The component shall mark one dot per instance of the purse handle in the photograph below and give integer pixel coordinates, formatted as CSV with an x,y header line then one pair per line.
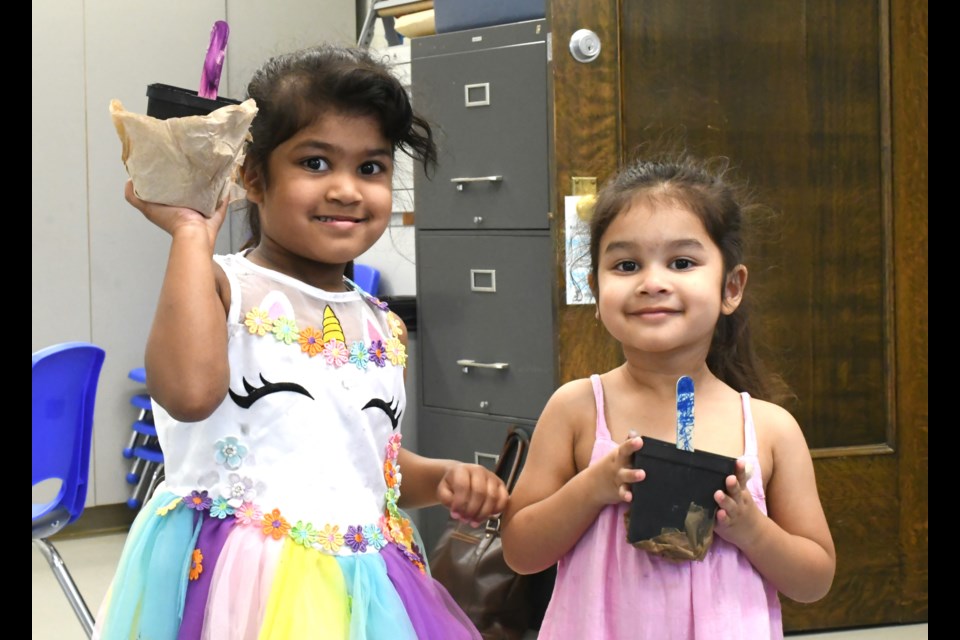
x,y
509,464
512,456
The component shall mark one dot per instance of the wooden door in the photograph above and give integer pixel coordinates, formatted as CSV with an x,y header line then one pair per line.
x,y
823,107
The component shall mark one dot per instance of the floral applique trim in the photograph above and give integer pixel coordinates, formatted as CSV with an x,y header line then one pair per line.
x,y
329,340
198,500
196,564
285,330
395,323
237,502
249,513
229,452
274,525
394,526
220,508
304,534
239,490
258,321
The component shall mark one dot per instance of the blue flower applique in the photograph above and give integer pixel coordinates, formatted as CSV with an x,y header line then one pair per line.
x,y
229,452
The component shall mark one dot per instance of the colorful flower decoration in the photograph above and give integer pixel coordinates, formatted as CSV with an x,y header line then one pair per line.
x,y
249,513
258,321
393,445
412,554
390,473
395,324
396,352
220,508
275,525
374,536
196,564
285,330
311,341
239,490
197,500
229,452
335,352
384,525
359,355
330,340
304,534
330,538
377,352
355,539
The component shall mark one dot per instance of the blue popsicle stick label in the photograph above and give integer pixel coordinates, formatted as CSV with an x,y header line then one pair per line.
x,y
685,413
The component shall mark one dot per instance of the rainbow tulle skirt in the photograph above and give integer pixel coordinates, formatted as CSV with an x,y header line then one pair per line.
x,y
185,574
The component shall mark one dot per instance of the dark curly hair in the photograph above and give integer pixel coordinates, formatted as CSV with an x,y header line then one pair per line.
x,y
294,89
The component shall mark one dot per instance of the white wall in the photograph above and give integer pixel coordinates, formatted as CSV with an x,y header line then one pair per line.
x,y
96,263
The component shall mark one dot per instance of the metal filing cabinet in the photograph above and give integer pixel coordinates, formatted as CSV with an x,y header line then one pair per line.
x,y
486,270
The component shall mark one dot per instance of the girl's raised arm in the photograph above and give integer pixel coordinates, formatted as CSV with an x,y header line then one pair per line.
x,y
186,355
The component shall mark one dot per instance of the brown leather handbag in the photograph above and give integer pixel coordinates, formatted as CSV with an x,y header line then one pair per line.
x,y
468,561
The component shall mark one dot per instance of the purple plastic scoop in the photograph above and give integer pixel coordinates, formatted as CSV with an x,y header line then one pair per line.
x,y
213,63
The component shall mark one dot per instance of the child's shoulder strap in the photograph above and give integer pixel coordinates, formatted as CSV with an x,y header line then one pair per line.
x,y
602,431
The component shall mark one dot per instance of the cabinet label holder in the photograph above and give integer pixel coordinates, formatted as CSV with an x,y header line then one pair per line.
x,y
483,89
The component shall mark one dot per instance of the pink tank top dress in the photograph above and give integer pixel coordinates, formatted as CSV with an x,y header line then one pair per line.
x,y
608,590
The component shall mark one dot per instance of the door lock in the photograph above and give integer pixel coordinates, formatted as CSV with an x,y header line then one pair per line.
x,y
584,45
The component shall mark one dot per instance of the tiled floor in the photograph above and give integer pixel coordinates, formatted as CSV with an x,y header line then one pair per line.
x,y
91,562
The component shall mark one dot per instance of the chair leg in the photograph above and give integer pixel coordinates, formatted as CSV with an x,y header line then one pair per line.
x,y
158,475
67,584
137,496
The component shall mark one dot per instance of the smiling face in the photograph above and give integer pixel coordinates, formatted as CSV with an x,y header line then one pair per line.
x,y
661,280
326,198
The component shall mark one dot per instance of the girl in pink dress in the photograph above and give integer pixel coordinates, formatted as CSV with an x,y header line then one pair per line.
x,y
668,275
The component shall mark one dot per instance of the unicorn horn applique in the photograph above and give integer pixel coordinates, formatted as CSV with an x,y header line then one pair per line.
x,y
331,326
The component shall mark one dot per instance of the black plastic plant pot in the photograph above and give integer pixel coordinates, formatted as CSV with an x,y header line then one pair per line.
x,y
164,101
675,480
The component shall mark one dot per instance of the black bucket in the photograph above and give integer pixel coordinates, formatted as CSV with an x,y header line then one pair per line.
x,y
164,101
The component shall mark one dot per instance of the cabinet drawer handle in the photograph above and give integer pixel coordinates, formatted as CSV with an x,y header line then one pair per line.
x,y
466,364
461,181
480,179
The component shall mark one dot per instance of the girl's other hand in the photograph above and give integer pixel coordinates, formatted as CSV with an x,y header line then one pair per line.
x,y
738,513
472,493
171,218
615,474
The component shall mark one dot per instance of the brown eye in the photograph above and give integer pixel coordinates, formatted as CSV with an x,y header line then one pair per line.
x,y
371,168
316,164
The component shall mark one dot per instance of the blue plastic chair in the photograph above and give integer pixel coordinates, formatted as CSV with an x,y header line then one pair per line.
x,y
65,378
367,278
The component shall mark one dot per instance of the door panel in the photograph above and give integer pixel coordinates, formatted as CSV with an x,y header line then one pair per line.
x,y
802,99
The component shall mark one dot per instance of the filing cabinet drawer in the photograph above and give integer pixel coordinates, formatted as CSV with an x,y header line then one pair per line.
x,y
485,322
489,108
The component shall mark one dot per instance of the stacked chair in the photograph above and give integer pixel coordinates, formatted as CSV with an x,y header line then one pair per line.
x,y
146,470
